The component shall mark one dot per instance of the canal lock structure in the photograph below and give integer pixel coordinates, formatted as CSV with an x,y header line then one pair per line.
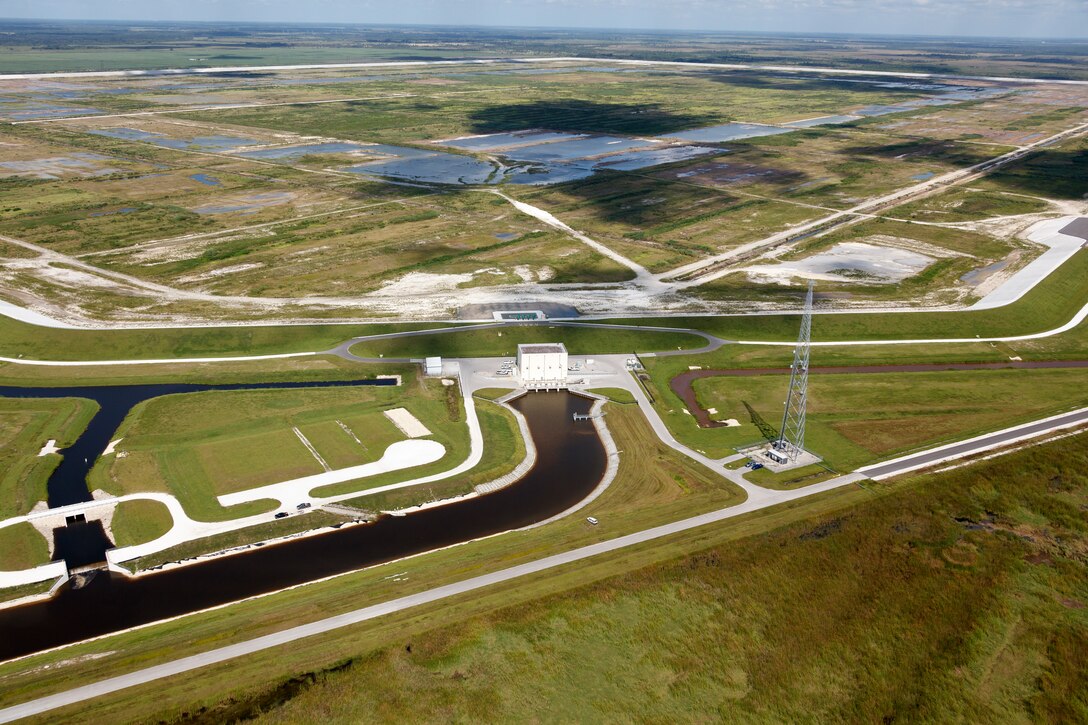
x,y
571,461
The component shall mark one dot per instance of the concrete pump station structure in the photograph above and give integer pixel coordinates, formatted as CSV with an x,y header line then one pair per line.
x,y
542,366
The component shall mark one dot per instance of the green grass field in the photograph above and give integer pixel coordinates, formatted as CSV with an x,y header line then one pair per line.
x,y
22,547
26,425
497,342
856,419
33,60
1048,305
137,522
201,445
46,343
616,395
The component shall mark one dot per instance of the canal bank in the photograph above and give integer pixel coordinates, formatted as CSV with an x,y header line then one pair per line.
x,y
571,461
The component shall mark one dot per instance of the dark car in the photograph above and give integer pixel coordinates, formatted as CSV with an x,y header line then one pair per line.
x,y
303,506
281,515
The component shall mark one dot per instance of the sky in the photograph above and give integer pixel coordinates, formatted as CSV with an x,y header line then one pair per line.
x,y
1011,18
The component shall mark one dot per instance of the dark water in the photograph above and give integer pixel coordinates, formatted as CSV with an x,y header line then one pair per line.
x,y
570,463
81,543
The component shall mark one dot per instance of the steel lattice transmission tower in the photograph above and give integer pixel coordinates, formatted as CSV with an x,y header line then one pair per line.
x,y
791,440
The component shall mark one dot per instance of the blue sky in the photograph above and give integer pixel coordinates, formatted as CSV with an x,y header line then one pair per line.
x,y
1017,18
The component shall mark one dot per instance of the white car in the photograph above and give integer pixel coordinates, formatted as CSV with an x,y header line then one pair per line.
x,y
591,520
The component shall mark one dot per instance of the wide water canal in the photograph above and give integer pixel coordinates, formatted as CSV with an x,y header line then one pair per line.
x,y
81,543
570,463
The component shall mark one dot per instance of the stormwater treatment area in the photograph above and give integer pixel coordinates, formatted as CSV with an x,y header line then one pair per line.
x,y
570,463
81,543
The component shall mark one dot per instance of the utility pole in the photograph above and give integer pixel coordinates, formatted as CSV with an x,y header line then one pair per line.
x,y
791,439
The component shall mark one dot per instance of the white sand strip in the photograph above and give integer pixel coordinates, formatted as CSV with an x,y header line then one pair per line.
x,y
350,432
50,447
310,447
408,424
400,455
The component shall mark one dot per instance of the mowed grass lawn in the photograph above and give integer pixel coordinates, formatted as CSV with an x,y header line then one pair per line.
x,y
493,342
962,597
855,419
140,521
202,445
22,547
1050,304
26,425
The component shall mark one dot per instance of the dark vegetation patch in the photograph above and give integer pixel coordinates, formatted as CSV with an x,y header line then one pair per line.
x,y
586,117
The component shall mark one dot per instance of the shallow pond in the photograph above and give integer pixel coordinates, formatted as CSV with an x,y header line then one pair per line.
x,y
727,132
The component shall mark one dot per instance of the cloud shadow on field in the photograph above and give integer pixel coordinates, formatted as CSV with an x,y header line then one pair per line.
x,y
586,117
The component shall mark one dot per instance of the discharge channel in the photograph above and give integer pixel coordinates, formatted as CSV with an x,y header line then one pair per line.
x,y
570,462
81,543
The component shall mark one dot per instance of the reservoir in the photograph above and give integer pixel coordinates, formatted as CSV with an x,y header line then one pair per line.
x,y
570,463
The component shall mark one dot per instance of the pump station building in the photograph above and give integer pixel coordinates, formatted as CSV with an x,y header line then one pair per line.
x,y
543,366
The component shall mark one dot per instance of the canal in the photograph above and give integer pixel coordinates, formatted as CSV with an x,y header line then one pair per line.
x,y
81,543
570,463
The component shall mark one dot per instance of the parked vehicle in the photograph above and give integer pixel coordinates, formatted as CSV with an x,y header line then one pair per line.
x,y
591,520
281,515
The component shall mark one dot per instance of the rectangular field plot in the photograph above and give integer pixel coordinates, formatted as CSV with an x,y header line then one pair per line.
x,y
255,460
335,441
726,132
854,419
200,446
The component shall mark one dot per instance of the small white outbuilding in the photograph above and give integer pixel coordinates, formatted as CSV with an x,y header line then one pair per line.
x,y
543,365
432,366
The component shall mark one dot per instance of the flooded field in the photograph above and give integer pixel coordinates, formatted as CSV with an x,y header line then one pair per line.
x,y
822,121
633,160
576,148
197,143
295,152
77,164
551,157
206,180
494,141
727,132
14,109
438,168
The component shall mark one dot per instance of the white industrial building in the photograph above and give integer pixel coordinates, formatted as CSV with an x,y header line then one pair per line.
x,y
432,366
543,365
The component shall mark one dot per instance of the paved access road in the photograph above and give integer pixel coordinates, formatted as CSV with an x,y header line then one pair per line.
x,y
952,451
222,654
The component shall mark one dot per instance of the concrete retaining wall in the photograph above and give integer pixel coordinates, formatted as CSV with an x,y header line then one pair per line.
x,y
522,468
